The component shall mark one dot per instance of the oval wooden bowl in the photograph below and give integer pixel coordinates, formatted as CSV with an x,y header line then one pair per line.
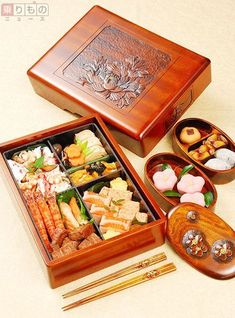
x,y
206,129
177,163
202,239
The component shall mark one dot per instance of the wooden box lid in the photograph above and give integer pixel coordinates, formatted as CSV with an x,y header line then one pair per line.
x,y
202,239
132,77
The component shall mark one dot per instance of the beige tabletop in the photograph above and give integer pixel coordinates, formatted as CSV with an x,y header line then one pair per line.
x,y
206,27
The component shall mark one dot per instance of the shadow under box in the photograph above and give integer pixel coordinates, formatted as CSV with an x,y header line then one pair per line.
x,y
105,252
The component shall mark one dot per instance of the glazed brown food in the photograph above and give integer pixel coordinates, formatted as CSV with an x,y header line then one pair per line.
x,y
190,135
208,147
82,232
59,236
205,152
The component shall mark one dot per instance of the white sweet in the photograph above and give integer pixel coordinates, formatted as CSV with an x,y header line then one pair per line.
x,y
226,155
218,164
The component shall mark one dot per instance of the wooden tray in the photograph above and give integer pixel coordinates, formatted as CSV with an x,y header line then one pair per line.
x,y
202,239
177,163
91,259
139,82
207,129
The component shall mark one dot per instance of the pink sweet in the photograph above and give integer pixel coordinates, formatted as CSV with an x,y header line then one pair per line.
x,y
164,180
190,184
197,198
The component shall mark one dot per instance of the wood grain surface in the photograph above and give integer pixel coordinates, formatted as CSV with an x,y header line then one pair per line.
x,y
206,27
139,82
202,239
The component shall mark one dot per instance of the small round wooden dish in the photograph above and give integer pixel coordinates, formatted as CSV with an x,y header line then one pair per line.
x,y
196,155
177,163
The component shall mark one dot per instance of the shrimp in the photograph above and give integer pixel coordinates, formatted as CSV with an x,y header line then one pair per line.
x,y
36,215
55,212
45,212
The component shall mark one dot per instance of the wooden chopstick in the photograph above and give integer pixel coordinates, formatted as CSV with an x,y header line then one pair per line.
x,y
123,285
123,272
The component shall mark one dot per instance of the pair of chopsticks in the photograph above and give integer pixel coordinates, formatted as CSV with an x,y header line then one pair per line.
x,y
125,284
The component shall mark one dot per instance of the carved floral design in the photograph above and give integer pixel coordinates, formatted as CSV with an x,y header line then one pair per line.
x,y
118,81
195,244
116,66
192,216
222,251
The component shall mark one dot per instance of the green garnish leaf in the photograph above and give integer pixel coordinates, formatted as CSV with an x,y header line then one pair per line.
x,y
118,202
39,162
82,209
92,221
98,186
67,196
172,193
84,147
208,196
185,170
78,141
88,152
31,169
165,166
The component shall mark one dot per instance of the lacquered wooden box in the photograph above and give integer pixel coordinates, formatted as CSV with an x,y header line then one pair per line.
x,y
139,82
107,252
207,130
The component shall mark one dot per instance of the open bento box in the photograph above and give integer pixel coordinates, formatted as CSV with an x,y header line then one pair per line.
x,y
84,203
